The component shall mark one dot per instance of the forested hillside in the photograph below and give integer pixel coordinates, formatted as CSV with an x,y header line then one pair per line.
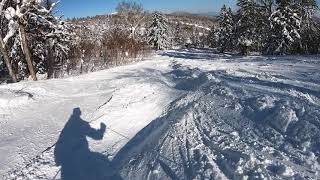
x,y
35,43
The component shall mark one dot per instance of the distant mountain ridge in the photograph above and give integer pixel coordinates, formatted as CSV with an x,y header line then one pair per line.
x,y
212,14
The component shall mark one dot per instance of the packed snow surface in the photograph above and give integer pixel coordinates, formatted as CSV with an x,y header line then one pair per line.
x,y
184,114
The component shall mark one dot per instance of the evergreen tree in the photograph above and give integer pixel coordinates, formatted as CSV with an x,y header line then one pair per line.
x,y
213,37
225,33
266,6
270,26
310,29
159,32
35,36
248,26
265,9
285,27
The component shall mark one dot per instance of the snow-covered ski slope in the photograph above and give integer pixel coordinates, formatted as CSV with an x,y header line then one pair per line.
x,y
184,114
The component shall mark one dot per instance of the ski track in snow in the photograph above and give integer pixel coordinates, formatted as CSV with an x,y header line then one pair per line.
x,y
183,114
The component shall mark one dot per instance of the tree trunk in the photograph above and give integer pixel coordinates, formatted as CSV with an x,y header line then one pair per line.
x,y
6,58
27,52
50,63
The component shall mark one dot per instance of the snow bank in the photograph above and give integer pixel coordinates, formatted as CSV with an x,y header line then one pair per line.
x,y
14,99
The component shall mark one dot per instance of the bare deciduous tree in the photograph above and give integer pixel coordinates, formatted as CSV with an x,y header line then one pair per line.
x,y
133,15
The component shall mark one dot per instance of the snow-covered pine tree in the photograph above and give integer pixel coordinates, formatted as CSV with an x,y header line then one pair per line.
x,y
51,37
310,29
159,32
213,37
248,27
267,6
285,28
265,9
35,35
226,29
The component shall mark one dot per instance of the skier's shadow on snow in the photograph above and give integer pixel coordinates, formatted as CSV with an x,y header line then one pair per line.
x,y
72,152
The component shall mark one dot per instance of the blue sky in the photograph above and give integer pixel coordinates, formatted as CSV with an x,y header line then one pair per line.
x,y
82,8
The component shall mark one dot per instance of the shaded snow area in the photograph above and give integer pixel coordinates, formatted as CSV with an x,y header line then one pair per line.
x,y
185,114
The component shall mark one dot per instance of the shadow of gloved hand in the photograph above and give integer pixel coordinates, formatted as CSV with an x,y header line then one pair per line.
x,y
103,127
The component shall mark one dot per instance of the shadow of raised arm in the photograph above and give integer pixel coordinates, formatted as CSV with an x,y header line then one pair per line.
x,y
96,134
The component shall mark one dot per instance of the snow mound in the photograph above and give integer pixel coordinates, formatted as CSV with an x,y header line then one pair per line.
x,y
282,117
272,111
14,98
